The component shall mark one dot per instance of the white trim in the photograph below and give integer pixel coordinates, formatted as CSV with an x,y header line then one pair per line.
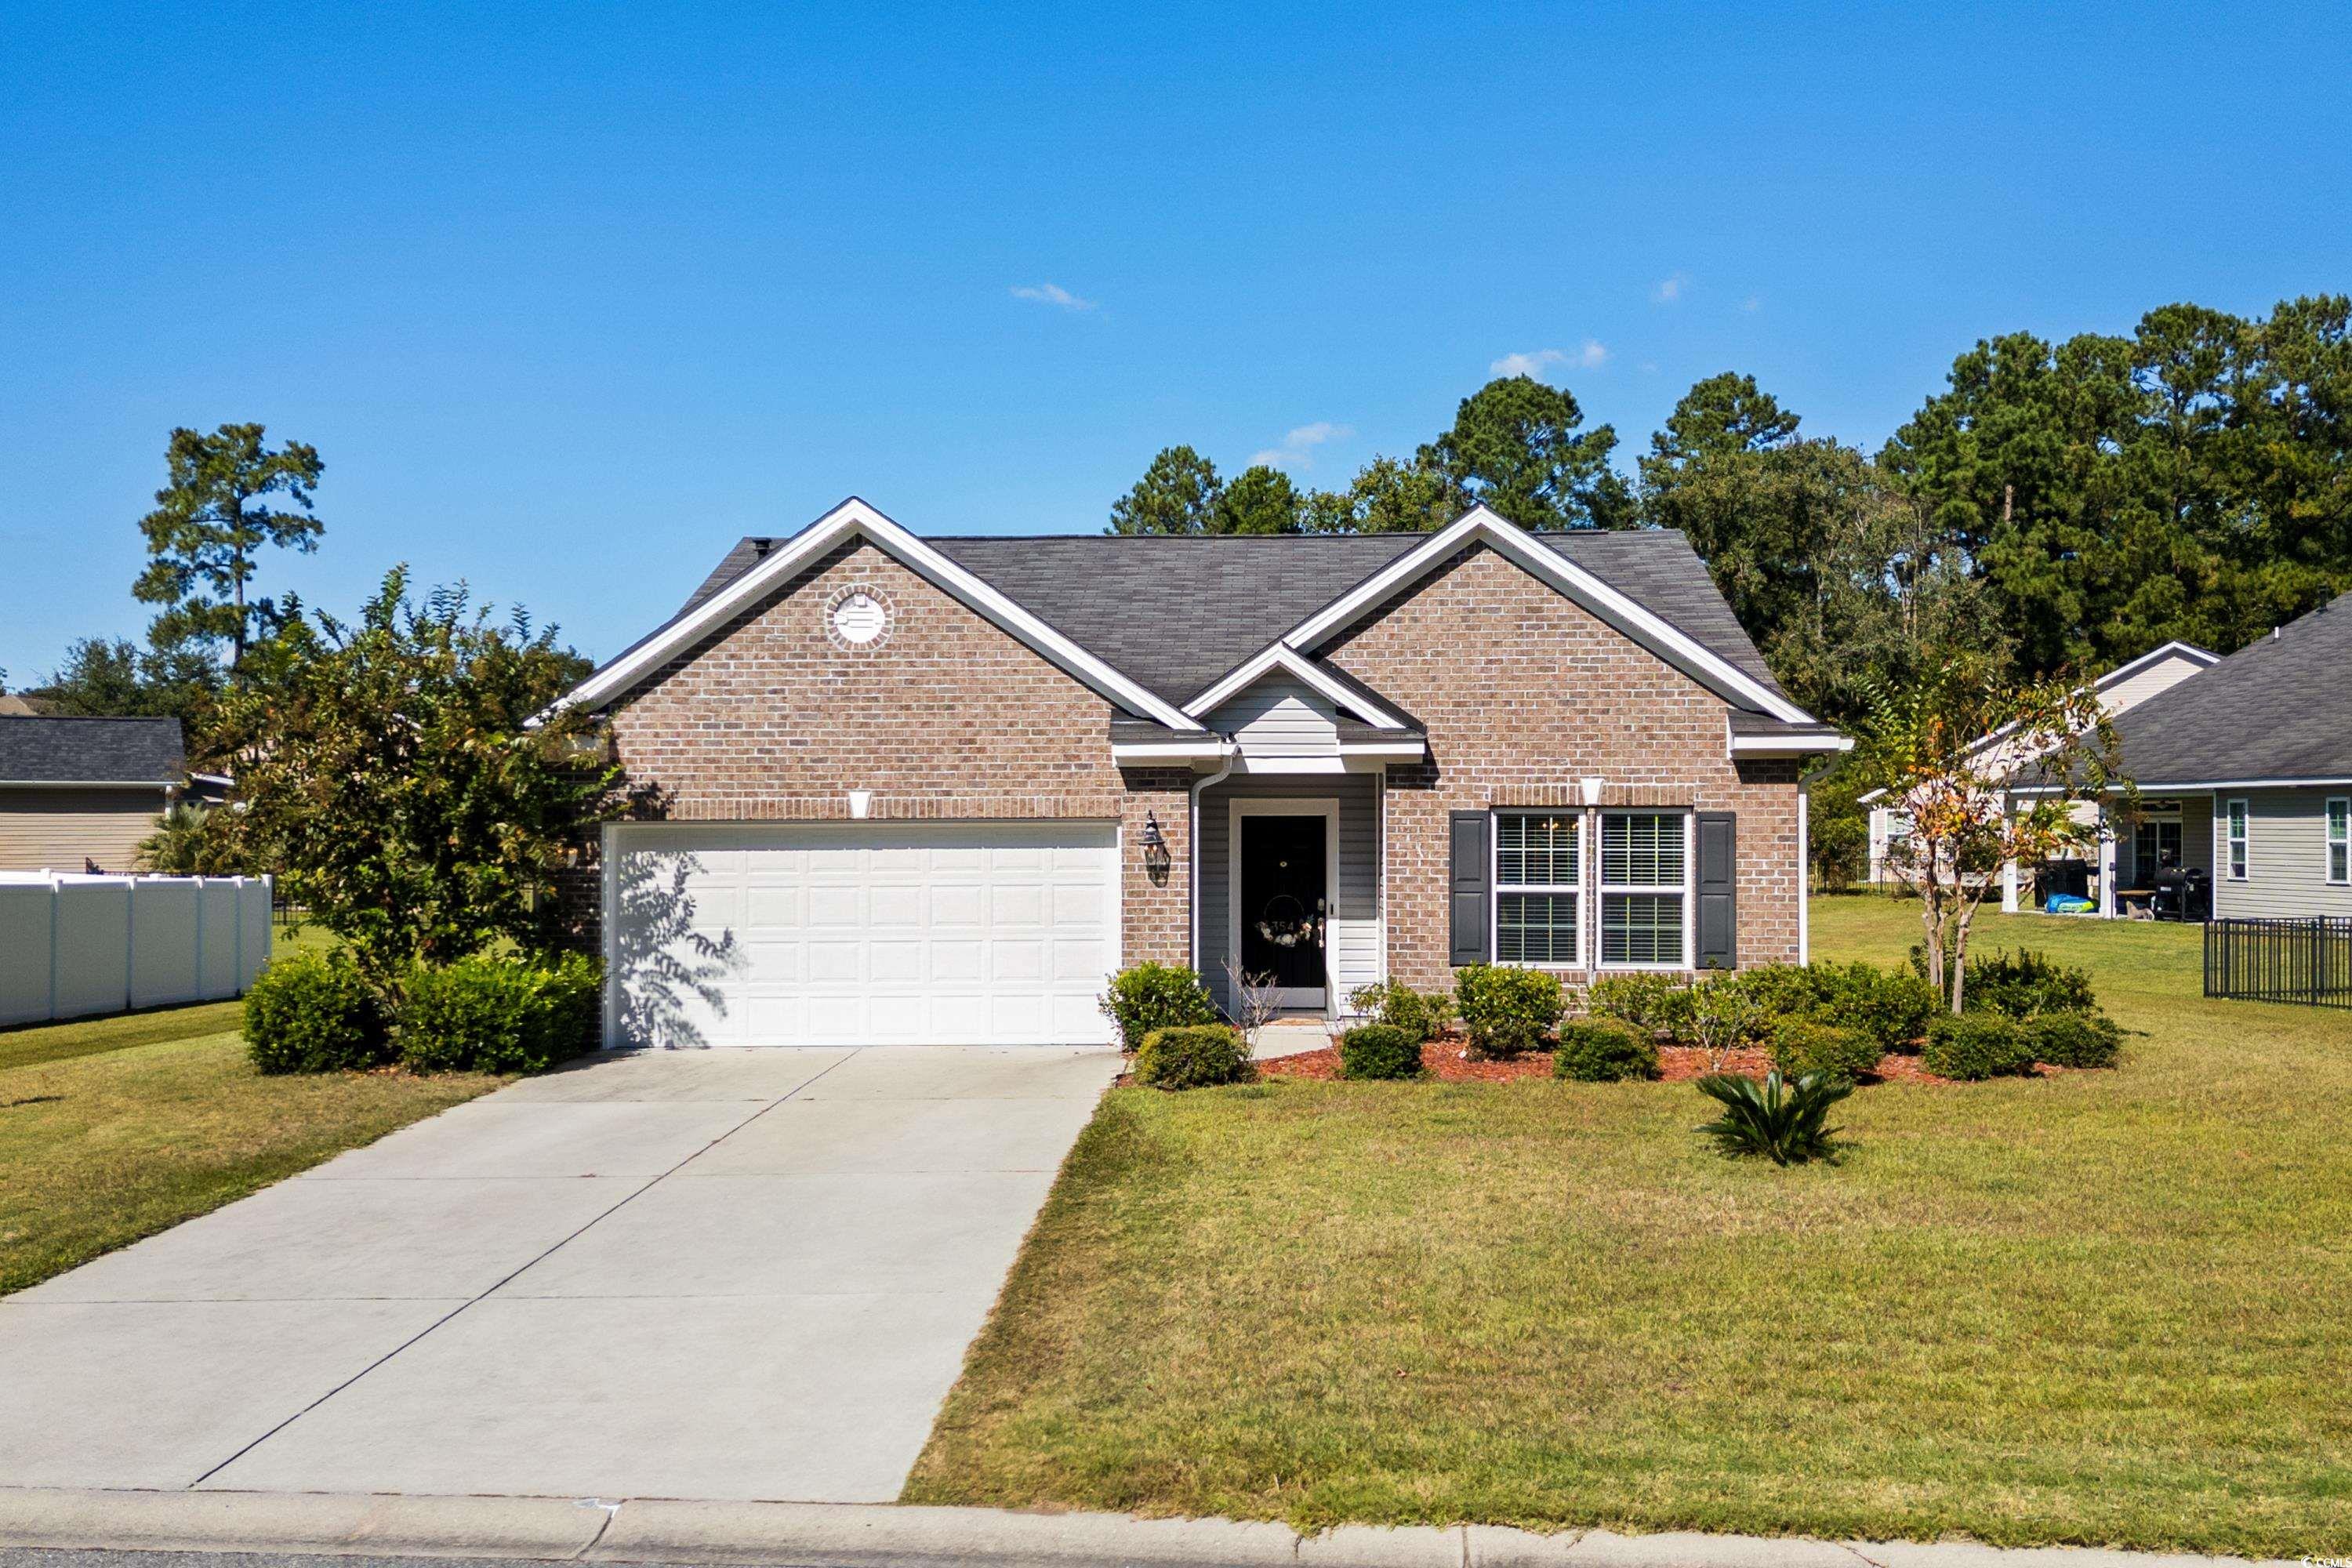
x,y
2204,659
1575,889
2167,786
2229,841
1805,873
1652,631
1384,751
1214,749
1248,673
1603,888
1325,807
1193,849
608,922
87,784
2329,842
1380,826
856,517
1783,745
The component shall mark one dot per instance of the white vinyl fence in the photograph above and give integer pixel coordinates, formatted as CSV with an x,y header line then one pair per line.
x,y
71,946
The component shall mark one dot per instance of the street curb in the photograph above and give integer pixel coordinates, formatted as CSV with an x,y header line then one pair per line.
x,y
869,1535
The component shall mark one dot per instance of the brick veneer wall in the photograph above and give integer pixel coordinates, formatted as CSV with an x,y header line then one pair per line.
x,y
1525,695
770,719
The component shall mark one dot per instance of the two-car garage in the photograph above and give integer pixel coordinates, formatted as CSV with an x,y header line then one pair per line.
x,y
855,934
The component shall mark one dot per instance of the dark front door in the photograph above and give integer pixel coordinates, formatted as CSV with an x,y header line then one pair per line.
x,y
1283,915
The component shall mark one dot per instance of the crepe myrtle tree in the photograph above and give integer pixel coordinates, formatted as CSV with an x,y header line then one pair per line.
x,y
1922,745
392,770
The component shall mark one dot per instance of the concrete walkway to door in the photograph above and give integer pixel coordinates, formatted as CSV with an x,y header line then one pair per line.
x,y
728,1275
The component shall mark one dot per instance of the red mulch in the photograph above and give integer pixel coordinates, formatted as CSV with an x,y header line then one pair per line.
x,y
1448,1061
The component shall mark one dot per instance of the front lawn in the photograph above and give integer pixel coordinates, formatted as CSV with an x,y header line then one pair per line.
x,y
2102,1307
113,1129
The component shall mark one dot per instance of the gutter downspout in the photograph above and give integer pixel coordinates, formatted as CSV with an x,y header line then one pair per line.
x,y
1193,847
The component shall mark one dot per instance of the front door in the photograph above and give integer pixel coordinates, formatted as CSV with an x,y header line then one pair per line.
x,y
1284,888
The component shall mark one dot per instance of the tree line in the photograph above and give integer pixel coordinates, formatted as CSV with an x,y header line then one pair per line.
x,y
2055,508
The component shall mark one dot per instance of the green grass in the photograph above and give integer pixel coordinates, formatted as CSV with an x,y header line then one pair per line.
x,y
2106,1308
113,1129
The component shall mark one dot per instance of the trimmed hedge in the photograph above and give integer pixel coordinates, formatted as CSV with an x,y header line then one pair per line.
x,y
496,1014
1193,1055
1605,1050
1148,996
2073,1039
1974,1046
1805,1043
1379,1050
1655,1003
1507,1010
306,1012
2026,982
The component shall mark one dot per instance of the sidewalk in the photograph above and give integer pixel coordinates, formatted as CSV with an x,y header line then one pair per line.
x,y
859,1535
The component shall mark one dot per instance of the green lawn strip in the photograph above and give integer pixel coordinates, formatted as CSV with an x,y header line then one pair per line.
x,y
96,1151
36,1043
2103,1308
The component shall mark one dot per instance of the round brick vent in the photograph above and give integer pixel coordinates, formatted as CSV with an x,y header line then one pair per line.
x,y
857,617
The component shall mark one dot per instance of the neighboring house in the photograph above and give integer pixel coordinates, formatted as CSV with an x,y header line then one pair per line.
x,y
2247,773
2121,689
935,790
75,792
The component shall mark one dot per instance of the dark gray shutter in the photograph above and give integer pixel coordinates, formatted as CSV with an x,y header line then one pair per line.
x,y
1466,839
1719,901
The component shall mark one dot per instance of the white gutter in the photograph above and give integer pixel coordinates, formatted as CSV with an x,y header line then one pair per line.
x,y
1209,782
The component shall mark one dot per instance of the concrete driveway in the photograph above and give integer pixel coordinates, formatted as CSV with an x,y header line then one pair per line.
x,y
729,1275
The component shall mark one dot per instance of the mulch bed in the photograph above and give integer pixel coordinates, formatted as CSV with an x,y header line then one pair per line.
x,y
1446,1061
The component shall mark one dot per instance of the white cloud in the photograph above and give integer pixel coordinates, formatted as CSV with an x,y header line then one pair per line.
x,y
1053,294
1669,290
1297,448
1590,355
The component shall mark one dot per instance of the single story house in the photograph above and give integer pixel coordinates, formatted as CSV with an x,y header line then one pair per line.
x,y
936,789
79,792
2246,773
2121,689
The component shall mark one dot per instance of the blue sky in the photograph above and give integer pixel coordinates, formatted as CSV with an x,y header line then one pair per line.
x,y
571,297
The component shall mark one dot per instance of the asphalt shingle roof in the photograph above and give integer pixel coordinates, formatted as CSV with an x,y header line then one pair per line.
x,y
2278,709
1177,613
89,751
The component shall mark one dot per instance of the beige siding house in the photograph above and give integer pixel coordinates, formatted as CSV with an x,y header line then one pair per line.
x,y
76,792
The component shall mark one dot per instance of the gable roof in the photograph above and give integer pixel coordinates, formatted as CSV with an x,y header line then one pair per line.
x,y
2277,710
1177,614
51,750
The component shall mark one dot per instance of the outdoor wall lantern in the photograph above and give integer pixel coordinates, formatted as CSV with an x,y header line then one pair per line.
x,y
1155,846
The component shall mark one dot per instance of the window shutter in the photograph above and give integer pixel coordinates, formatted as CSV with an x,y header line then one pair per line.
x,y
1718,903
1466,839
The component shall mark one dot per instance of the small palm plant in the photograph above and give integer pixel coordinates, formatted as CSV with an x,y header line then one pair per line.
x,y
1782,1121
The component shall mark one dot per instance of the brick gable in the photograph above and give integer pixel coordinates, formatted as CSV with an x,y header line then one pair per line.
x,y
1525,694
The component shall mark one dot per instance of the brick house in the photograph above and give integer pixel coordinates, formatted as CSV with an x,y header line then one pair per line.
x,y
933,790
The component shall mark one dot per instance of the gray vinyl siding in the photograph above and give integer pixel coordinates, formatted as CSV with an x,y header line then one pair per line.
x,y
1357,933
57,829
1279,717
2286,856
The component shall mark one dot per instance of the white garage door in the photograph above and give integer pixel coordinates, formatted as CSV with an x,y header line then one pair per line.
x,y
861,933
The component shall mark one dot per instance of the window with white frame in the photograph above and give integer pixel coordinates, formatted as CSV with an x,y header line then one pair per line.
x,y
2339,839
2234,831
1644,888
1539,887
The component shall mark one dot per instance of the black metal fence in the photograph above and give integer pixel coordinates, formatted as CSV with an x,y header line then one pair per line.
x,y
2305,961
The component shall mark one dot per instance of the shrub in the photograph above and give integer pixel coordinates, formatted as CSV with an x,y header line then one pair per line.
x,y
497,1014
2073,1039
1977,1045
1425,1015
1778,1118
1803,1043
1193,1055
1656,1003
1148,996
1507,1010
1784,989
2025,983
1724,1016
310,1014
1379,1050
1891,1005
1605,1050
